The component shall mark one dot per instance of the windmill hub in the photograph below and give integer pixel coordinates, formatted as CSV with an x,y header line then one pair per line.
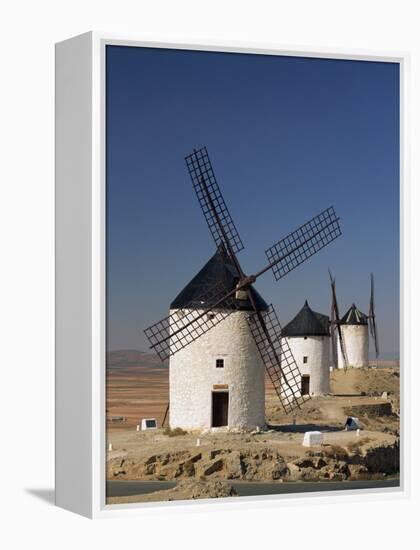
x,y
246,282
241,294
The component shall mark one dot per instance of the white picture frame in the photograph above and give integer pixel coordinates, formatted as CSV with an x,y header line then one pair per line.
x,y
80,270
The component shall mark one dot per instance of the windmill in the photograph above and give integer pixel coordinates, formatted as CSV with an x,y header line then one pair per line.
x,y
308,335
192,323
352,347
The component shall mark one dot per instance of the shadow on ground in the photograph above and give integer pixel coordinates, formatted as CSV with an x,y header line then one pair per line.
x,y
362,394
302,428
47,495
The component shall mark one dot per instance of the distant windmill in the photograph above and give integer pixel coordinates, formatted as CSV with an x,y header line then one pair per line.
x,y
351,348
308,335
216,369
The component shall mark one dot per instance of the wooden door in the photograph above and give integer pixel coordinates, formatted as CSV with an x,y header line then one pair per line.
x,y
304,390
220,408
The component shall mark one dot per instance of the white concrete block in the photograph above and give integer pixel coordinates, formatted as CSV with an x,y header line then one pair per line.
x,y
312,439
352,423
148,424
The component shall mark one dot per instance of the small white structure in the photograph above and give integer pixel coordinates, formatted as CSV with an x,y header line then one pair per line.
x,y
308,336
217,380
313,439
352,423
354,328
148,424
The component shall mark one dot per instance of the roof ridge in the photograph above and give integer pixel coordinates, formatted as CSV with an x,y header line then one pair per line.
x,y
354,316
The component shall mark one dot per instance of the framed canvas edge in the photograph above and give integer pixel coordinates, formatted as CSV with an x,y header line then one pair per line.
x,y
73,261
99,508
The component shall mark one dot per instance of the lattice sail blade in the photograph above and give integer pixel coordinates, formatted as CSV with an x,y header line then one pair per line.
x,y
343,348
278,359
337,326
303,243
334,353
333,330
201,171
374,331
372,316
184,326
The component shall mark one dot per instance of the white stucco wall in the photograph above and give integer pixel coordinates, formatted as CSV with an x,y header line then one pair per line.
x,y
317,350
193,373
356,339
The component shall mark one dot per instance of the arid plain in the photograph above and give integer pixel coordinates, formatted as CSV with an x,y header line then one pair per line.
x,y
137,387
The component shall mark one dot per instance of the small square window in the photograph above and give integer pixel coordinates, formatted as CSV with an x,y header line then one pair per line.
x,y
305,358
220,363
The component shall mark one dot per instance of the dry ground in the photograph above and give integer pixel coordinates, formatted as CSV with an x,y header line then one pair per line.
x,y
136,392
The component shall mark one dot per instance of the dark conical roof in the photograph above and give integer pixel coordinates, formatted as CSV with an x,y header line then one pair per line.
x,y
354,317
218,270
307,323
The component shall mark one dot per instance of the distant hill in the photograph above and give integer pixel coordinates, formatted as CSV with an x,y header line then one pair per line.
x,y
124,358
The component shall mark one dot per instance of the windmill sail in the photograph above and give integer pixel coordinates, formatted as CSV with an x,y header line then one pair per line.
x,y
336,327
303,243
185,325
212,203
278,359
333,333
372,316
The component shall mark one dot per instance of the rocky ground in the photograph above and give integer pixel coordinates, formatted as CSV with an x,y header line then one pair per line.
x,y
204,463
264,456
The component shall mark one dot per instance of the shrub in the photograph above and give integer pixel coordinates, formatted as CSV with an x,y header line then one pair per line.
x,y
336,452
355,446
174,432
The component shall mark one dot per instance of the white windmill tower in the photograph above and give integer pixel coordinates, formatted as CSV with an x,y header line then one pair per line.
x,y
218,379
308,335
220,334
352,346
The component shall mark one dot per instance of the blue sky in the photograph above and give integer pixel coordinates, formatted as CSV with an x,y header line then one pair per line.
x,y
287,138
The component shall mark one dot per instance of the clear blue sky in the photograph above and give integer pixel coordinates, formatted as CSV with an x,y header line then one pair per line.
x,y
287,137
